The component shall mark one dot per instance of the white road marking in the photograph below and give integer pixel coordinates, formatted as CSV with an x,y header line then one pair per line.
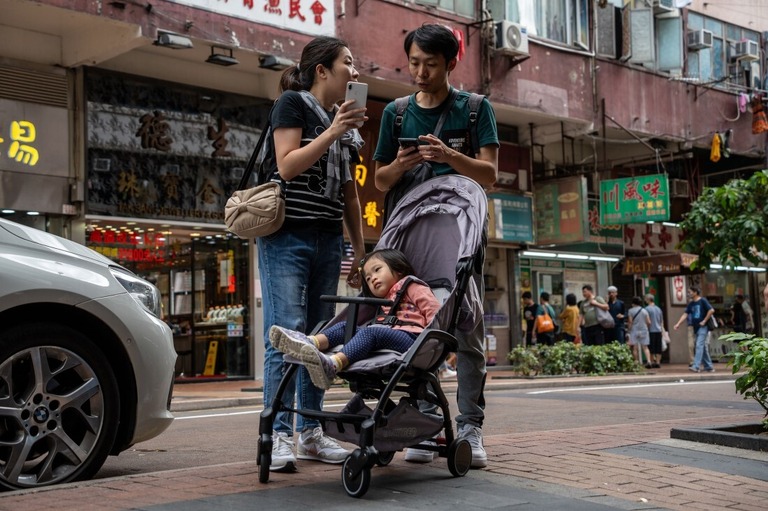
x,y
251,412
631,386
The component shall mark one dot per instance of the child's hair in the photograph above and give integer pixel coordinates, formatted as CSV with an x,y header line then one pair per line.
x,y
320,50
393,258
434,39
570,299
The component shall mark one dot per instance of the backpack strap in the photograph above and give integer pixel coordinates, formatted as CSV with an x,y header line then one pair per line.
x,y
474,102
400,105
474,105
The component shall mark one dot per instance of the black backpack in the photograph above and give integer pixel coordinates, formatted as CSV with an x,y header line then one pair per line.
x,y
474,104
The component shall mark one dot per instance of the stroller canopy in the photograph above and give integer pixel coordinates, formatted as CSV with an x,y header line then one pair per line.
x,y
436,225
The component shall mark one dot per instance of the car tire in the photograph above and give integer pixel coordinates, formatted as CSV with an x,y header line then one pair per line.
x,y
59,406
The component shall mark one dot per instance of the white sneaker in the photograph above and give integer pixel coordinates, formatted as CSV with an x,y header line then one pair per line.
x,y
314,445
283,459
447,374
420,455
475,437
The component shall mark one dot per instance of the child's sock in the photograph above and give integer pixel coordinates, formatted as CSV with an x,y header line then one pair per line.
x,y
336,359
313,338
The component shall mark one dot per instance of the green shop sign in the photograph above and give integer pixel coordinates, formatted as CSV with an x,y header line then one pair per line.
x,y
634,200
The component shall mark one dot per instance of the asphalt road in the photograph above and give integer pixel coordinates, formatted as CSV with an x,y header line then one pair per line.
x,y
212,437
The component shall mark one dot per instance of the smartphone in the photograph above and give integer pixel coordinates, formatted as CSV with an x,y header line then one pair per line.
x,y
358,92
409,142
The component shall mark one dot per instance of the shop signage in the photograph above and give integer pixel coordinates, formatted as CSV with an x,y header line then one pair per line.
x,y
314,17
33,138
670,264
511,217
634,199
561,211
651,238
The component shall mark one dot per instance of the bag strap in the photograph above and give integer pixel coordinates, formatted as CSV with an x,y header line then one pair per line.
x,y
256,152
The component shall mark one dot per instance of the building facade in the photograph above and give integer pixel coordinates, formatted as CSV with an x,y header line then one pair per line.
x,y
125,125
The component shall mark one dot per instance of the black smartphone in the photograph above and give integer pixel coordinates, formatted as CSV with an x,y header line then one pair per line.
x,y
409,142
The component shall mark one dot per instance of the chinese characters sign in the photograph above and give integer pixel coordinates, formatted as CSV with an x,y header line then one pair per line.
x,y
561,211
511,217
314,17
634,199
32,140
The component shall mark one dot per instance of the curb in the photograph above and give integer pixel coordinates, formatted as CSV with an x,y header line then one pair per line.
x,y
342,394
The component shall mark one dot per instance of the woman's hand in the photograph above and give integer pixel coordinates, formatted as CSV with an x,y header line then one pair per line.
x,y
353,278
347,119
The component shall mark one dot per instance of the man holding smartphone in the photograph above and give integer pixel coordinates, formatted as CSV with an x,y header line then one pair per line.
x,y
432,51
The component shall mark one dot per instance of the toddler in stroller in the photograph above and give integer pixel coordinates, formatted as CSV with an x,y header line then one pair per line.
x,y
439,226
386,274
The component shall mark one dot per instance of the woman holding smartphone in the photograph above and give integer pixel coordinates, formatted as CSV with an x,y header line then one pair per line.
x,y
313,148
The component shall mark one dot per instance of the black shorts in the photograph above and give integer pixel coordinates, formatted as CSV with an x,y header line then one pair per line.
x,y
655,344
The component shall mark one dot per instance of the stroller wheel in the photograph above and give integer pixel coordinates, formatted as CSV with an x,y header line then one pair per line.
x,y
385,458
355,485
459,457
264,457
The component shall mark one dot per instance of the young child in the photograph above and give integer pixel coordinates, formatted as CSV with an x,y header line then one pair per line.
x,y
384,273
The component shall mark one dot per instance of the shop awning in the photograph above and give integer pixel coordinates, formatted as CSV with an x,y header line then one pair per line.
x,y
667,264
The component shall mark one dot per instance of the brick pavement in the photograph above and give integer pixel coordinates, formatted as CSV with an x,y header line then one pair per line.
x,y
578,466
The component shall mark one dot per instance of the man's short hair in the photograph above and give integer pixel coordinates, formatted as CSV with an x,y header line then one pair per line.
x,y
695,290
613,289
433,39
527,294
544,296
587,287
649,298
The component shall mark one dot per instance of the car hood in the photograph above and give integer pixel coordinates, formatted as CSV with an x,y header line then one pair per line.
x,y
51,242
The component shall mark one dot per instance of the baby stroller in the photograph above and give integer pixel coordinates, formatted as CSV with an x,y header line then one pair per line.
x,y
440,227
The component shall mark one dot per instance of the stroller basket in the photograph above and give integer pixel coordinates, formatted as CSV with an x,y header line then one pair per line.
x,y
404,426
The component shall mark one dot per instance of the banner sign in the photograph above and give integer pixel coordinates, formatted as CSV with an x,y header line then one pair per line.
x,y
561,211
634,199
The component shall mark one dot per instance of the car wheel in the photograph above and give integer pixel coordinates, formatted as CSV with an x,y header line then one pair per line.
x,y
59,406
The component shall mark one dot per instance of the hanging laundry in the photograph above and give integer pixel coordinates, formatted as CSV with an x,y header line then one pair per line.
x,y
759,120
743,101
714,154
726,144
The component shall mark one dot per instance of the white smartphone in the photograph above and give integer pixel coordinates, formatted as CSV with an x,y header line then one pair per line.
x,y
359,92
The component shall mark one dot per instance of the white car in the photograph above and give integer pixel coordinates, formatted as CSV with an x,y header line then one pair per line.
x,y
86,364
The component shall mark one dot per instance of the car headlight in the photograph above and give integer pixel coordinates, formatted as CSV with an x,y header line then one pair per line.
x,y
142,291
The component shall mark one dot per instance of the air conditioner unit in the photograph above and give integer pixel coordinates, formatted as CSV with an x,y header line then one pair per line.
x,y
746,50
678,188
699,39
662,6
511,38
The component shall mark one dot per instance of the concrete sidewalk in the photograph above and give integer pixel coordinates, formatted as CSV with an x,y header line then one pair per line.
x,y
623,466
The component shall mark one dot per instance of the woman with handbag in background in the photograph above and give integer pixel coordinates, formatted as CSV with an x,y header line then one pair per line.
x,y
313,150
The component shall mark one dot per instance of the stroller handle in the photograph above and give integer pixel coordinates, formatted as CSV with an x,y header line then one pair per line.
x,y
357,299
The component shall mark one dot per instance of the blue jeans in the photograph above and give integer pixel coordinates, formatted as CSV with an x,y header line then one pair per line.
x,y
702,350
296,267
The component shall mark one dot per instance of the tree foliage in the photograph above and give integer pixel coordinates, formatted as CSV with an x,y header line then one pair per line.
x,y
729,223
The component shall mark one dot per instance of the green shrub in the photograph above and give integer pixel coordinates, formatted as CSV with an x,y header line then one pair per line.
x,y
524,360
565,358
752,355
562,358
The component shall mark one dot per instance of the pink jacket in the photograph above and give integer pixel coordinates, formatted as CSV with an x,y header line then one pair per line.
x,y
418,305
